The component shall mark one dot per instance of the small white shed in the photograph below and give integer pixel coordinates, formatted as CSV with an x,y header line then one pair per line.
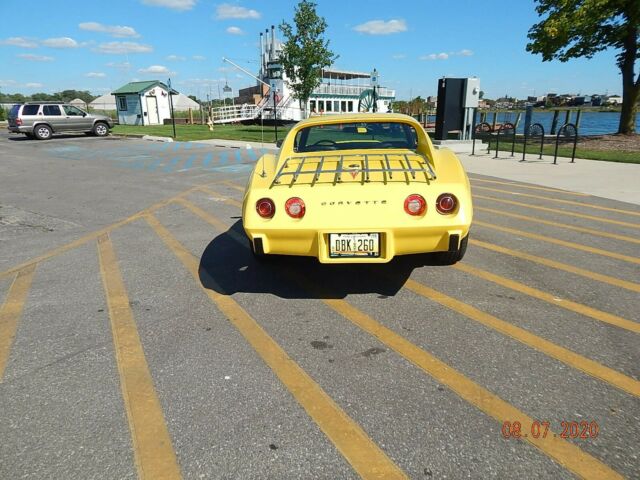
x,y
143,103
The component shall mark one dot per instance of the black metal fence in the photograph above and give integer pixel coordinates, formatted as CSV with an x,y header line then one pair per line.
x,y
568,133
535,133
506,130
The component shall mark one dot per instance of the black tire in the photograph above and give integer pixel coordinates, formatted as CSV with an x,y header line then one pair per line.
x,y
100,129
450,258
42,132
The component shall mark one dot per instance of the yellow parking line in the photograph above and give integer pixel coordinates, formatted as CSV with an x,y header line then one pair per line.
x,y
233,185
551,299
565,453
560,212
366,458
595,369
558,200
154,455
228,201
616,282
531,187
590,231
92,236
205,216
11,311
562,451
556,241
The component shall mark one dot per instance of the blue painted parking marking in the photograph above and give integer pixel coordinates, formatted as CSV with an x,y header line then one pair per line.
x,y
172,164
187,164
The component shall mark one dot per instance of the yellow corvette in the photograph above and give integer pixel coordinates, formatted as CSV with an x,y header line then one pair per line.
x,y
358,188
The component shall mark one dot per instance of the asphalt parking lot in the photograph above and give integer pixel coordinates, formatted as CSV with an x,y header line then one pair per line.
x,y
139,339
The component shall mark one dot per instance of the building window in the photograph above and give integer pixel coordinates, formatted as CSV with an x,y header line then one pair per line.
x,y
122,103
328,105
312,106
343,106
350,106
321,105
336,106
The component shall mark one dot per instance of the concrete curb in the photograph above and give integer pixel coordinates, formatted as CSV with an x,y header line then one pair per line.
x,y
215,142
155,138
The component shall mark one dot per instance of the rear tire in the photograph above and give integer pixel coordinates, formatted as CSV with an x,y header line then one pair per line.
x,y
101,129
42,132
450,258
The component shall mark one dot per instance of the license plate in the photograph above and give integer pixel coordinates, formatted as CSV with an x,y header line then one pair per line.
x,y
354,245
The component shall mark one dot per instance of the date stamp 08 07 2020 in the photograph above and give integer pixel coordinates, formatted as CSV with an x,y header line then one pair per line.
x,y
572,429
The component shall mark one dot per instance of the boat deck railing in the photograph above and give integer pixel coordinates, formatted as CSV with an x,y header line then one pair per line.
x,y
407,167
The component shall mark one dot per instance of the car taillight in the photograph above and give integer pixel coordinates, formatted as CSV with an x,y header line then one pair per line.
x,y
265,207
295,207
415,204
18,121
446,203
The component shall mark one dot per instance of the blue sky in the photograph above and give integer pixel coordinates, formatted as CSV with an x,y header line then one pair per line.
x,y
51,45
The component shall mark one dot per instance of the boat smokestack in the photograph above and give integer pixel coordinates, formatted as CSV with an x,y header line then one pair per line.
x,y
261,55
266,46
273,43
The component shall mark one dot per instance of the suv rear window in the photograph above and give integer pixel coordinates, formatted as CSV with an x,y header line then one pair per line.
x,y
14,111
30,109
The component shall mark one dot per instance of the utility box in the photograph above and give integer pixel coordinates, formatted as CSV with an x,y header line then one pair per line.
x,y
456,99
471,93
449,108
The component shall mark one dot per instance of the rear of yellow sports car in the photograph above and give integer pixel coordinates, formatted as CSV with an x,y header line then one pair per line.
x,y
355,195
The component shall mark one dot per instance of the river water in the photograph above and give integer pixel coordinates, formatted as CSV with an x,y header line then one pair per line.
x,y
591,123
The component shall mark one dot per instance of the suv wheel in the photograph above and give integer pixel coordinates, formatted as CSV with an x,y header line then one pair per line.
x,y
42,132
101,129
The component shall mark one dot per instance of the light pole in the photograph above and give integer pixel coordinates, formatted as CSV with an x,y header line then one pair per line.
x,y
173,118
374,82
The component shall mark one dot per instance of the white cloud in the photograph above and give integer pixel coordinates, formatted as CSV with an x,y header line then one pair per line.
x,y
235,31
157,69
380,27
445,56
121,48
199,58
226,10
173,4
60,42
7,83
95,75
122,65
399,56
119,31
175,58
35,58
33,85
21,42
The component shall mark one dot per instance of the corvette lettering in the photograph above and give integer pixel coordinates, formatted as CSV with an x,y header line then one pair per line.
x,y
353,202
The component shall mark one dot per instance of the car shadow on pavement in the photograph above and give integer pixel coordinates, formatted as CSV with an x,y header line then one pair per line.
x,y
229,267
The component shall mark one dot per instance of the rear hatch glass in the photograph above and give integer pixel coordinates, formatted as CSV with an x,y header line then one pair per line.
x,y
13,114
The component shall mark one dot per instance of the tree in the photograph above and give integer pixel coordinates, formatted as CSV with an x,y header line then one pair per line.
x,y
581,28
305,52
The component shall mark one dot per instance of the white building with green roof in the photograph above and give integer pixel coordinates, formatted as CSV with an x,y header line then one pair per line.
x,y
143,103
